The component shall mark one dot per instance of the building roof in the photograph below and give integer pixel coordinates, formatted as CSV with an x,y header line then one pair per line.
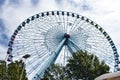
x,y
108,76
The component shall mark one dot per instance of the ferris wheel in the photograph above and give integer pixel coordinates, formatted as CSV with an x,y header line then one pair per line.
x,y
42,38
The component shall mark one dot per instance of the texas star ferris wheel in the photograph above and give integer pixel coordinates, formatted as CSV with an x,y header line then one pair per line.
x,y
45,36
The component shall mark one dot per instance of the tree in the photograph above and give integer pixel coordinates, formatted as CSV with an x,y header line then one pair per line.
x,y
3,72
55,72
15,70
12,71
81,65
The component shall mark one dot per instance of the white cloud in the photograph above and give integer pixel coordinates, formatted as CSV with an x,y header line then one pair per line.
x,y
104,12
15,14
2,53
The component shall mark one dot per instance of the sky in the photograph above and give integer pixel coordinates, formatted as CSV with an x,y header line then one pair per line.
x,y
106,13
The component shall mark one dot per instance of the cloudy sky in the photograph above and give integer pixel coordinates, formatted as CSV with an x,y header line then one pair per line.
x,y
104,12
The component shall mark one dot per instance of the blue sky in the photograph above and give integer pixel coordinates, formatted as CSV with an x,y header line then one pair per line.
x,y
104,12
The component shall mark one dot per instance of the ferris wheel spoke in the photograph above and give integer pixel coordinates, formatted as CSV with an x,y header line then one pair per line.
x,y
74,44
70,49
21,54
32,61
57,18
20,51
51,24
64,55
39,65
34,68
74,25
54,18
64,22
77,25
31,49
23,44
61,23
38,55
35,59
67,53
39,61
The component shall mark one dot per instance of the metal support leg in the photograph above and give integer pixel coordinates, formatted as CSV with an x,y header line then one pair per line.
x,y
50,61
74,44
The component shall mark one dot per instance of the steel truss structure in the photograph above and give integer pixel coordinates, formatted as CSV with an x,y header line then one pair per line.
x,y
41,38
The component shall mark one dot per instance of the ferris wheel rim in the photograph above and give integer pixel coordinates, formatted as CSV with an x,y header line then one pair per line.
x,y
32,18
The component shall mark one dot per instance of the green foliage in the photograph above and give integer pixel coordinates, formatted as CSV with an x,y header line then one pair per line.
x,y
12,71
80,66
55,72
3,72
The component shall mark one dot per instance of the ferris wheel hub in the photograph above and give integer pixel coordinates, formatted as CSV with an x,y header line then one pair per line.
x,y
67,35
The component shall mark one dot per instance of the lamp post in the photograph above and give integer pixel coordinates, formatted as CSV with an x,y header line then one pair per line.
x,y
24,57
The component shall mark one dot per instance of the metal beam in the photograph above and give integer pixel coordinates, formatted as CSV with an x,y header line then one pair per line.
x,y
50,61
